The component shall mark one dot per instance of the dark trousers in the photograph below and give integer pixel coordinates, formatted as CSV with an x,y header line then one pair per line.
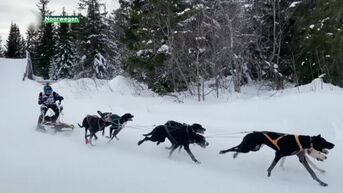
x,y
49,118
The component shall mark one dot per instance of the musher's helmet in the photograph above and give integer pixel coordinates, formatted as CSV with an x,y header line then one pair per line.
x,y
47,89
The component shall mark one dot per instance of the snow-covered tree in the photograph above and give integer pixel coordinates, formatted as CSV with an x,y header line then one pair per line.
x,y
147,27
316,39
65,56
95,60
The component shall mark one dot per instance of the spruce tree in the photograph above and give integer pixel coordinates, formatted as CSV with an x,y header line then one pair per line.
x,y
317,41
146,29
46,43
95,57
46,50
14,45
32,40
65,55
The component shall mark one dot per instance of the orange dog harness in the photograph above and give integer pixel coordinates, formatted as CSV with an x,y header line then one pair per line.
x,y
275,141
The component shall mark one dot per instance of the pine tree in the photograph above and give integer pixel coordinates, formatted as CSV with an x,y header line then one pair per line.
x,y
146,29
31,39
317,37
14,45
114,49
65,55
22,50
46,50
95,57
46,44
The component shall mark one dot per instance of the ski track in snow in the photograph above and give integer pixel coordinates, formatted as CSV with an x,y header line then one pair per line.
x,y
46,162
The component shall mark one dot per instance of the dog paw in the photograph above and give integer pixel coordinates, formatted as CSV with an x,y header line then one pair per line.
x,y
222,152
197,162
323,184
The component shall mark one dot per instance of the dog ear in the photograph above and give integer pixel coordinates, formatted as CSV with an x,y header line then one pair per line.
x,y
319,135
100,113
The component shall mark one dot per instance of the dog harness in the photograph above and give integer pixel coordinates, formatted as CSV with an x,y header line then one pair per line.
x,y
168,133
298,142
275,141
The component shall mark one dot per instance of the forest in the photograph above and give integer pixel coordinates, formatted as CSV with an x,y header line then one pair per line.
x,y
183,45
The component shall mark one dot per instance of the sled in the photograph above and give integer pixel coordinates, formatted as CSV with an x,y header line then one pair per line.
x,y
57,126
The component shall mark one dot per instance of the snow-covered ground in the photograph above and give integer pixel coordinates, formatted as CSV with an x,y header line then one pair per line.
x,y
32,161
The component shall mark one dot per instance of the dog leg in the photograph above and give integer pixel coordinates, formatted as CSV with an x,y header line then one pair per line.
x,y
276,159
172,149
180,148
90,139
231,149
114,134
314,165
190,153
282,164
235,155
302,159
86,140
111,130
141,141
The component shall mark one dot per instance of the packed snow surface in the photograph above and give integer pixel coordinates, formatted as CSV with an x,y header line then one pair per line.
x,y
32,161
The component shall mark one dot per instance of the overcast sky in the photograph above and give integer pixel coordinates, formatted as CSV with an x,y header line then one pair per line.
x,y
25,12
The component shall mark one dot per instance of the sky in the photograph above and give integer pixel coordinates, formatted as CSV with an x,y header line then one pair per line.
x,y
25,12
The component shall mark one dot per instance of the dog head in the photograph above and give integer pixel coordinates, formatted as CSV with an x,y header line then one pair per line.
x,y
107,116
197,128
126,117
316,154
320,144
200,140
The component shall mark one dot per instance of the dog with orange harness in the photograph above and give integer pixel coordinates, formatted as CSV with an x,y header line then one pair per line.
x,y
284,145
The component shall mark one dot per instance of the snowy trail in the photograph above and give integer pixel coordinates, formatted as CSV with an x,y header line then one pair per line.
x,y
46,162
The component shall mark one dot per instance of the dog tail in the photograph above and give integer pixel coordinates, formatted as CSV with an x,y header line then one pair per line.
x,y
145,135
80,125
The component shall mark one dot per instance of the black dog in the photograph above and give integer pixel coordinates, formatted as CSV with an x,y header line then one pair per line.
x,y
173,124
118,123
178,136
284,145
93,124
195,126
